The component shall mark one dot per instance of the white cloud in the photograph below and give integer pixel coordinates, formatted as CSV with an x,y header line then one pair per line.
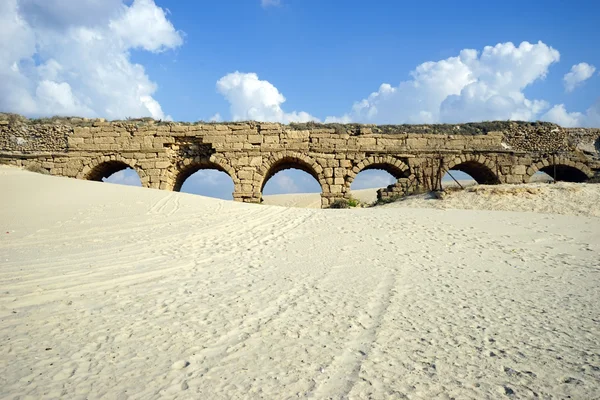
x,y
285,184
208,177
132,27
216,118
71,57
472,86
344,119
270,3
253,99
63,14
559,115
578,74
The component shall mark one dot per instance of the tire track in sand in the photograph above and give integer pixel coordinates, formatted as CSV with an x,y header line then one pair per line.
x,y
345,367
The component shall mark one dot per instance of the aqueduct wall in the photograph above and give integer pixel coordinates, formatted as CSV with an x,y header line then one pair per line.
x,y
164,154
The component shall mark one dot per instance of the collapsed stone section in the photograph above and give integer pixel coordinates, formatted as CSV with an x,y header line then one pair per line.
x,y
165,154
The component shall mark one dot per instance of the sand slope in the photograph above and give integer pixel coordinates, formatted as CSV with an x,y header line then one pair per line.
x,y
560,198
122,292
313,200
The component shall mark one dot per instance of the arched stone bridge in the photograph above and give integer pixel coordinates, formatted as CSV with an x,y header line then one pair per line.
x,y
165,154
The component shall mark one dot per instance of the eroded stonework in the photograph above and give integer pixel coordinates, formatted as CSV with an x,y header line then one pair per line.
x,y
165,154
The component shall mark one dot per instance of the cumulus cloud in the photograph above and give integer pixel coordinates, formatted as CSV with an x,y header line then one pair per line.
x,y
270,3
559,115
472,86
253,99
132,27
579,73
71,57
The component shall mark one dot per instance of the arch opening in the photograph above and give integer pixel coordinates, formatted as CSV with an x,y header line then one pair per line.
x,y
469,173
291,180
208,180
115,172
565,173
377,176
290,176
372,179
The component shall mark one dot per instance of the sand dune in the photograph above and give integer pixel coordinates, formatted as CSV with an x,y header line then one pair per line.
x,y
559,198
121,292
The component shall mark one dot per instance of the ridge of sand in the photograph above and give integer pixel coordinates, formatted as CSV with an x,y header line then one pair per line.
x,y
556,198
121,292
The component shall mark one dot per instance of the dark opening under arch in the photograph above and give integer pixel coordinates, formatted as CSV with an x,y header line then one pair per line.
x,y
480,173
565,173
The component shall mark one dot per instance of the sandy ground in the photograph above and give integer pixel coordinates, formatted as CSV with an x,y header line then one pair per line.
x,y
313,200
556,198
121,292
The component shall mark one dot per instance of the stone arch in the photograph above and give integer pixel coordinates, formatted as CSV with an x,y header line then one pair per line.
x,y
105,166
187,168
282,161
479,167
565,169
391,165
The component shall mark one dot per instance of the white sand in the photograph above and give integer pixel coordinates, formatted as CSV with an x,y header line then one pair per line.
x,y
313,200
122,292
556,198
560,198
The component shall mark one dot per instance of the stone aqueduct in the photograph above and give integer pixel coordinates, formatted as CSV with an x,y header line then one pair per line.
x,y
164,154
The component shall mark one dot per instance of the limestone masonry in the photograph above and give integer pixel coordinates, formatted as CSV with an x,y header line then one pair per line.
x,y
165,154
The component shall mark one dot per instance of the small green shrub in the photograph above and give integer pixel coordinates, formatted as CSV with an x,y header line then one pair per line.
x,y
339,203
353,202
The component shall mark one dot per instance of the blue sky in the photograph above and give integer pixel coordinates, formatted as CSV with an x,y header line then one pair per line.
x,y
298,60
324,55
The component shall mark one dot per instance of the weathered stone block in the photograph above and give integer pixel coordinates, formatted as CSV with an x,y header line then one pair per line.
x,y
519,170
214,139
162,164
255,139
179,128
271,139
246,174
335,188
514,179
366,142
